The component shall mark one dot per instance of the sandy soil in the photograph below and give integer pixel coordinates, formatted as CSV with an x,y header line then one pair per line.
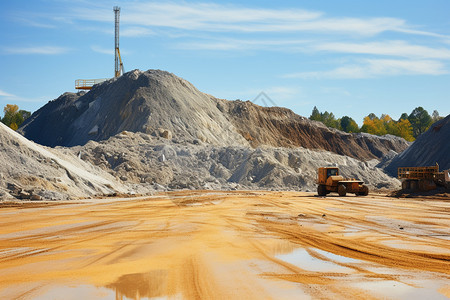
x,y
226,245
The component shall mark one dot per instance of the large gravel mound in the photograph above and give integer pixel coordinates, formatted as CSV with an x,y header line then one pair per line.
x,y
162,104
154,102
28,170
430,148
152,130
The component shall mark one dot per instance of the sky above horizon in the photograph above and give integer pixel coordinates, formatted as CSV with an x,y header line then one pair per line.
x,y
348,57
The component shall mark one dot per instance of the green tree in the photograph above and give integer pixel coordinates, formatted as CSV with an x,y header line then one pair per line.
x,y
420,121
372,116
13,116
315,115
404,116
25,114
348,124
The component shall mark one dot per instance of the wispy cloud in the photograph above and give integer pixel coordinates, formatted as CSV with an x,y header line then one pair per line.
x,y
42,50
34,23
136,31
392,48
370,68
213,17
102,50
108,51
242,44
5,96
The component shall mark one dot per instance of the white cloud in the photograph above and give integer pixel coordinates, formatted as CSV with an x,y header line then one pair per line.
x,y
136,31
102,50
406,67
242,44
370,68
42,50
212,17
14,98
5,94
108,51
393,48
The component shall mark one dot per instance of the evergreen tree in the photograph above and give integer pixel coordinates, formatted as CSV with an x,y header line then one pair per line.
x,y
420,121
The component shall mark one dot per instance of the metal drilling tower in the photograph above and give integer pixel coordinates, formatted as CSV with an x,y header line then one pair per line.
x,y
118,70
87,84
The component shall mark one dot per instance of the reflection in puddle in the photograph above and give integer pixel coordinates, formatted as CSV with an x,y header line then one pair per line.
x,y
302,259
142,286
338,258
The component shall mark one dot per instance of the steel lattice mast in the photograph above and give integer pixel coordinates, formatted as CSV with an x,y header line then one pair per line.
x,y
118,67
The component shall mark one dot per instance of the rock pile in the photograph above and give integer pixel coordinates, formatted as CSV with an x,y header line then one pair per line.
x,y
160,164
147,131
162,104
31,171
430,148
154,102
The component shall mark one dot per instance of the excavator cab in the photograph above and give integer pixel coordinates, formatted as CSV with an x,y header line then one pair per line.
x,y
332,172
325,173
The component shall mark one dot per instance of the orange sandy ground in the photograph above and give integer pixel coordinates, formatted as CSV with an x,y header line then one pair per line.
x,y
227,245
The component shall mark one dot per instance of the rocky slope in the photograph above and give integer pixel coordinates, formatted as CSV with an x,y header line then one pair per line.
x,y
32,171
280,127
430,148
153,102
145,159
162,104
147,131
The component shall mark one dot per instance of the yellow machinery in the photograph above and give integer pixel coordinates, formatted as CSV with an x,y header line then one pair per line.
x,y
329,181
87,84
422,178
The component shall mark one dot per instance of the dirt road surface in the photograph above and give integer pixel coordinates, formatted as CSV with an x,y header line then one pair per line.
x,y
227,245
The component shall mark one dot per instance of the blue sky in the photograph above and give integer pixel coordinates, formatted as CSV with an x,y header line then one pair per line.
x,y
348,57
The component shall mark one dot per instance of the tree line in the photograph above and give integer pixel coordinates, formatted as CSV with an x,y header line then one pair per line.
x,y
13,117
407,126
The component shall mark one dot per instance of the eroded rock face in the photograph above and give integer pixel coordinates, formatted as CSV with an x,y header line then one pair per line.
x,y
280,127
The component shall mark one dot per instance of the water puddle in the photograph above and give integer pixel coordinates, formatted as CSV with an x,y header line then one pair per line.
x,y
390,289
301,258
338,258
152,285
76,292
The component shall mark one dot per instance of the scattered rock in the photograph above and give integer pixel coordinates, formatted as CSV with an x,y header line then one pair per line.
x,y
35,197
